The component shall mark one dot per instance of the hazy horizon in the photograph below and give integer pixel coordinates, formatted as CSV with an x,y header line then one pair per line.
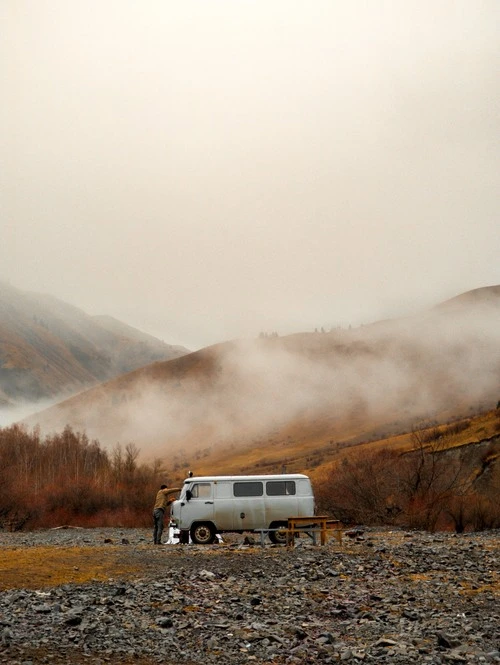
x,y
205,171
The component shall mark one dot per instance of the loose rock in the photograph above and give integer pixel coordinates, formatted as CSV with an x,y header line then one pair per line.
x,y
398,597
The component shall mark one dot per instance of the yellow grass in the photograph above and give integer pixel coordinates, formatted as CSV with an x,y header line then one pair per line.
x,y
312,448
38,567
44,567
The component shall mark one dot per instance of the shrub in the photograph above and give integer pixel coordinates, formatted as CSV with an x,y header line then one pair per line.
x,y
429,487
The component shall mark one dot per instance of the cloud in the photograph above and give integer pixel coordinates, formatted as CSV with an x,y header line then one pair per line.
x,y
207,171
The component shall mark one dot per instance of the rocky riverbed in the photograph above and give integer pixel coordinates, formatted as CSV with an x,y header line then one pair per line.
x,y
109,596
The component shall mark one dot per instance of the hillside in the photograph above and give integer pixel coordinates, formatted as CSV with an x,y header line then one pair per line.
x,y
49,348
281,398
319,458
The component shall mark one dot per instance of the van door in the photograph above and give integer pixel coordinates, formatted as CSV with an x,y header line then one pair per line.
x,y
200,507
223,505
248,505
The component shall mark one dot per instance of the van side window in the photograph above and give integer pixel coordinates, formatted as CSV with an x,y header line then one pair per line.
x,y
280,487
201,491
253,488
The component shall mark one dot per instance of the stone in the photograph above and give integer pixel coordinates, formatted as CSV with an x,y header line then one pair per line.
x,y
409,598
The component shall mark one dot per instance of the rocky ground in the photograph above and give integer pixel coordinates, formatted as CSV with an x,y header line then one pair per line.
x,y
108,596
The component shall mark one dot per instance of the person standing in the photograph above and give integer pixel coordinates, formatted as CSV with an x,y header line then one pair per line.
x,y
162,505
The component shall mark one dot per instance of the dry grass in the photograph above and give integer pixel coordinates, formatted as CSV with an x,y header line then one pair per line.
x,y
48,566
313,449
39,567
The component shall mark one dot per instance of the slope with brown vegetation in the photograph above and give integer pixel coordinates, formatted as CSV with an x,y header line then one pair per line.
x,y
49,348
440,476
319,455
301,392
446,476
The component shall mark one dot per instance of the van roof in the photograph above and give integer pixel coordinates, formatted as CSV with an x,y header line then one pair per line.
x,y
278,476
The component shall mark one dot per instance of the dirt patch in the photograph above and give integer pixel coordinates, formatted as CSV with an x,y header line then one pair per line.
x,y
39,567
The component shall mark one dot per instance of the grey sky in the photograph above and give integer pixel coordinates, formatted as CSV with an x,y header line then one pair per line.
x,y
209,170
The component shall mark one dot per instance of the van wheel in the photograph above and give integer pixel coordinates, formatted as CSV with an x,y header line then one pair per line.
x,y
278,537
203,534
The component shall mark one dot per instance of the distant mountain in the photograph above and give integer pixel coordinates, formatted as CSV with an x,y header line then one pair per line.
x,y
49,348
482,297
264,398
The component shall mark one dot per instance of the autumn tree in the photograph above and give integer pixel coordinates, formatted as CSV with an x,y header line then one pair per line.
x,y
68,478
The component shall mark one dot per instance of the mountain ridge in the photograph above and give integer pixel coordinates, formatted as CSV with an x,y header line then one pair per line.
x,y
307,388
49,348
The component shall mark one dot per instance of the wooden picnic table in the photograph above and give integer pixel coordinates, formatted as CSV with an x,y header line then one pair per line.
x,y
312,525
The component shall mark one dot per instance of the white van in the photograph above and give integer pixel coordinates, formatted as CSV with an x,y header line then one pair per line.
x,y
209,505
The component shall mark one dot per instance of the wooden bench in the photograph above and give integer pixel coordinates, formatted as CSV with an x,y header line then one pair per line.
x,y
321,524
311,526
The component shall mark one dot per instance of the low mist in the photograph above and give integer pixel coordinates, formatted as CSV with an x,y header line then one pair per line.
x,y
336,384
12,413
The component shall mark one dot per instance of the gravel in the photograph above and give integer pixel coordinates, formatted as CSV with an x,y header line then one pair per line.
x,y
383,596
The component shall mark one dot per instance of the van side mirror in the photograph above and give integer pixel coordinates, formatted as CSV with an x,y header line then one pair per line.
x,y
189,495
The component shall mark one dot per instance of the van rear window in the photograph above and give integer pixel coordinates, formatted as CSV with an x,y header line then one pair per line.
x,y
253,488
280,487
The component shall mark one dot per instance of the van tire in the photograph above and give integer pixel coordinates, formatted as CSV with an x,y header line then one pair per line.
x,y
278,537
203,533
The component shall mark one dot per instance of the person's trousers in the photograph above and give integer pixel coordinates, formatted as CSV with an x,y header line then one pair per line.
x,y
158,516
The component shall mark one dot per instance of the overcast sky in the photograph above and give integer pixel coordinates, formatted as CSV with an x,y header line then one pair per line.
x,y
206,170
